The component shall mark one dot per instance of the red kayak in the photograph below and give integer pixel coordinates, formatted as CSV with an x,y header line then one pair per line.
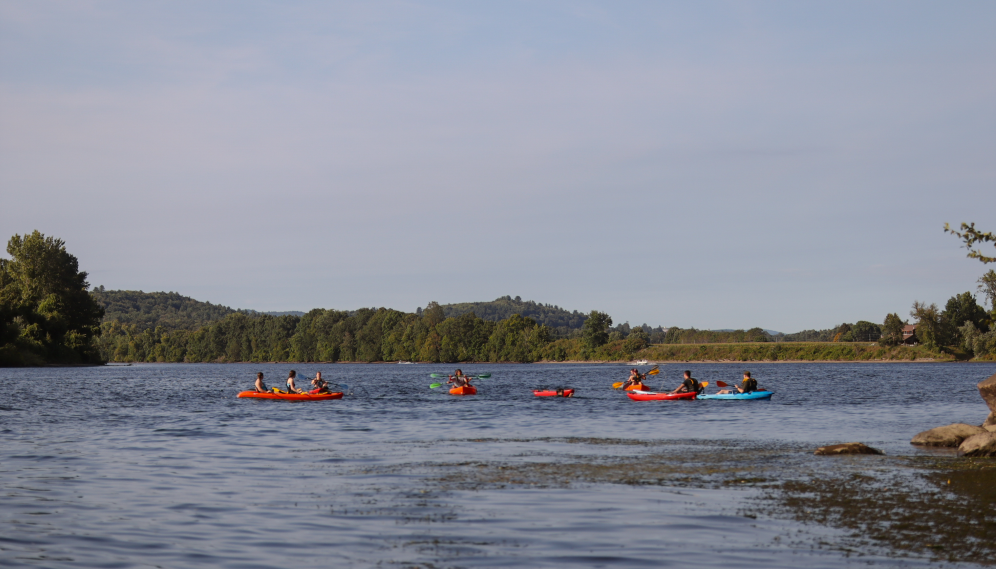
x,y
291,396
648,396
553,393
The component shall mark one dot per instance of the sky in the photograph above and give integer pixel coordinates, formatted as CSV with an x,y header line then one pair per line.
x,y
788,165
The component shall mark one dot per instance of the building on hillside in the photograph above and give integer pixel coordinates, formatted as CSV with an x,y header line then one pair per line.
x,y
909,335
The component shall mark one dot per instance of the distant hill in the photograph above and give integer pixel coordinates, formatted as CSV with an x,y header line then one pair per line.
x,y
561,320
297,313
146,310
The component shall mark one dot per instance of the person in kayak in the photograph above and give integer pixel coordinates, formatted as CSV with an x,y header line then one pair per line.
x,y
635,377
291,388
260,386
459,379
690,385
319,384
749,385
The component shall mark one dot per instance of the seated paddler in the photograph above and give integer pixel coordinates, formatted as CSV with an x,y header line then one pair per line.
x,y
689,385
748,385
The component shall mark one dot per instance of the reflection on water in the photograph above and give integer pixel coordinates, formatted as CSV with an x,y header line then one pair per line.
x,y
162,465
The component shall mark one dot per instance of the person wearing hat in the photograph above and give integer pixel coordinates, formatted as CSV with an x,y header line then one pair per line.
x,y
749,385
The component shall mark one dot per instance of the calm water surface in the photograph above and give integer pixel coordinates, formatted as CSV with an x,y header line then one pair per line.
x,y
161,465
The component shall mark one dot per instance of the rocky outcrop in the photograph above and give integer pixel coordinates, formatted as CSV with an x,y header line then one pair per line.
x,y
987,389
990,428
983,444
949,436
847,448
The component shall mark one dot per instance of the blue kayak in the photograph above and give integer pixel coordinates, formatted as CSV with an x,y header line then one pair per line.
x,y
753,395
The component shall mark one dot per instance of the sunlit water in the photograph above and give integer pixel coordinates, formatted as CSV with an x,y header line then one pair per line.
x,y
162,466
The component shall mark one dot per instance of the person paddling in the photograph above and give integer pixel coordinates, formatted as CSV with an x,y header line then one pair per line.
x,y
749,385
260,386
635,378
319,384
690,385
291,388
459,379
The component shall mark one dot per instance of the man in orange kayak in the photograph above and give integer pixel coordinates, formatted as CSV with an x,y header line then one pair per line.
x,y
690,385
319,384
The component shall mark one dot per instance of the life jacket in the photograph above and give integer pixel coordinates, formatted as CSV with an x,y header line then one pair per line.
x,y
696,385
750,385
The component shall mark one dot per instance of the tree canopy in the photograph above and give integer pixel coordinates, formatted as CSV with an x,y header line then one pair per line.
x,y
48,314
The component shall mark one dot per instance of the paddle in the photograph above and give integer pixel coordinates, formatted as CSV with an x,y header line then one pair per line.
x,y
480,376
722,384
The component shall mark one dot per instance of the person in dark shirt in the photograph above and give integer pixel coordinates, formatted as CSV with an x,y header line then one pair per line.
x,y
689,385
749,385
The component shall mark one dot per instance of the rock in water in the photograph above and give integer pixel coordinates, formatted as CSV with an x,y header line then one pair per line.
x,y
847,448
949,436
983,444
987,389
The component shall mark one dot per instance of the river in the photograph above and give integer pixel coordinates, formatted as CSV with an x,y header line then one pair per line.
x,y
160,465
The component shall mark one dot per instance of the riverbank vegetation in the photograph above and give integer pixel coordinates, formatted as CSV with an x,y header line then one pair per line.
x,y
47,315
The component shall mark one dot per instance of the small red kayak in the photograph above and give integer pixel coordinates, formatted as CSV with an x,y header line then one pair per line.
x,y
553,393
291,396
648,396
464,390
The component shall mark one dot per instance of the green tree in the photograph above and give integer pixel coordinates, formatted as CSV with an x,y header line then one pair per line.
x,y
962,308
892,330
45,303
595,331
930,326
987,286
864,331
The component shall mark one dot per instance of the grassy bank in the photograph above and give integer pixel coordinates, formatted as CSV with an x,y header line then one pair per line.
x,y
790,351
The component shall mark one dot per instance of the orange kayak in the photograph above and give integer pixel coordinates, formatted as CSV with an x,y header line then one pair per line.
x,y
637,387
552,393
464,390
291,396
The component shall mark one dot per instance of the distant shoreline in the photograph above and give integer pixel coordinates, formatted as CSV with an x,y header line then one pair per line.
x,y
572,362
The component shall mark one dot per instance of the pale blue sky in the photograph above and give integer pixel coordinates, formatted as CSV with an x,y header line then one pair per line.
x,y
787,165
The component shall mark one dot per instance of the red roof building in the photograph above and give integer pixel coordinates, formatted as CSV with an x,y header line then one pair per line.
x,y
909,335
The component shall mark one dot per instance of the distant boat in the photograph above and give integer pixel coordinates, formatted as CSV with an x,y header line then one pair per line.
x,y
640,363
406,362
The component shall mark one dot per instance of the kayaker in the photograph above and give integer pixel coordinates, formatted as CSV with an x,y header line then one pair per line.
x,y
260,386
561,392
749,385
690,385
319,384
635,377
291,388
459,379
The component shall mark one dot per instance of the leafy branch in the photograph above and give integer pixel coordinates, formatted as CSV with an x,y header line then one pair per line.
x,y
972,236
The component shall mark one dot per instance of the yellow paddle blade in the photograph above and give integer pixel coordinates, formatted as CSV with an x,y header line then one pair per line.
x,y
654,371
617,385
705,384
